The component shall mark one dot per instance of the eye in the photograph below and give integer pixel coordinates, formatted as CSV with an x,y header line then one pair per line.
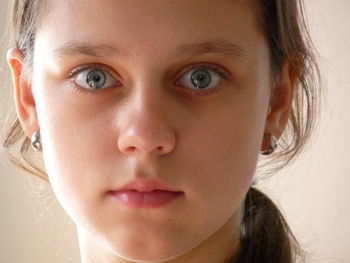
x,y
94,79
202,78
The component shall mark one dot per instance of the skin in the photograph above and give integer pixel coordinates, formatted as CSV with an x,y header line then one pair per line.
x,y
147,126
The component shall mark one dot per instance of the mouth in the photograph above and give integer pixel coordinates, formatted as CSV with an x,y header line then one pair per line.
x,y
145,194
154,199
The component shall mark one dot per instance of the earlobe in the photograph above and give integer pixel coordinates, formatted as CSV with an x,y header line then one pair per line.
x,y
281,101
24,99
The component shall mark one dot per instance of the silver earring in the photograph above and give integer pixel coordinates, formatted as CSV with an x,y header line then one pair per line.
x,y
273,143
36,142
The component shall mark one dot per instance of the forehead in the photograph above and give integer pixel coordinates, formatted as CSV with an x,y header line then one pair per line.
x,y
140,26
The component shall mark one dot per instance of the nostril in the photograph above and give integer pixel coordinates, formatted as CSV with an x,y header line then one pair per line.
x,y
131,149
160,148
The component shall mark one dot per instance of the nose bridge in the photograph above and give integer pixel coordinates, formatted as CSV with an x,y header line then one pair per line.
x,y
147,101
145,127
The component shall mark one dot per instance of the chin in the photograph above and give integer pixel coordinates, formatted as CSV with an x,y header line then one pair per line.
x,y
150,259
158,251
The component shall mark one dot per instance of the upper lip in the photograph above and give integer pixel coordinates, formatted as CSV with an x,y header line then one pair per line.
x,y
147,186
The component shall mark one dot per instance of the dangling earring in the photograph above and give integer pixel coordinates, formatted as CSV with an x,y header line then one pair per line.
x,y
273,144
36,142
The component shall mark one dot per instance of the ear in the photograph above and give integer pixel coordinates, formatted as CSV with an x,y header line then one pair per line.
x,y
24,99
281,101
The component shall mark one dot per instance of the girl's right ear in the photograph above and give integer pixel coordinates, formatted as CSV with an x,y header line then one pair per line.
x,y
24,99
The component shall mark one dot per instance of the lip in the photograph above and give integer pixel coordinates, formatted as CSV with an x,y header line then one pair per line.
x,y
145,194
147,186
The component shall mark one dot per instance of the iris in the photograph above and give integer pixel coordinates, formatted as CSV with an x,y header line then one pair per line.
x,y
201,78
96,79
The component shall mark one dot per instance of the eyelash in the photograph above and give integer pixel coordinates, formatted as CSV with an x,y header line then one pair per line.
x,y
221,71
79,69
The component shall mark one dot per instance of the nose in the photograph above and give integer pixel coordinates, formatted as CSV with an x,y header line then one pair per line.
x,y
145,129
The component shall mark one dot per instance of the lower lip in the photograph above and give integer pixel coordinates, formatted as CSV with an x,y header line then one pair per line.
x,y
154,199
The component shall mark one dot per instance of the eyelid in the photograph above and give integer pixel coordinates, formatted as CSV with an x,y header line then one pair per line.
x,y
221,70
224,74
218,69
83,67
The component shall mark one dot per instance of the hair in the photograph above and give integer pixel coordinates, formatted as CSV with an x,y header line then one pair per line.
x,y
265,235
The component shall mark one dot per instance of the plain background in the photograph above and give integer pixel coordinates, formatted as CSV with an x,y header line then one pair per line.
x,y
313,193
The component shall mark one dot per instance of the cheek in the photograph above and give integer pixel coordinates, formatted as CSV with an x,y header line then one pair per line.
x,y
74,141
222,158
218,158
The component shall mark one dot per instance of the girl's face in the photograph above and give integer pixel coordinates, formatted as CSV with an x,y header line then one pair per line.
x,y
169,91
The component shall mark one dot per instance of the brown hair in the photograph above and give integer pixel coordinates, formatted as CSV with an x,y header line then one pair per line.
x,y
265,236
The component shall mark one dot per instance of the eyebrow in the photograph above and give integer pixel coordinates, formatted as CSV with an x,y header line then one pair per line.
x,y
218,47
72,49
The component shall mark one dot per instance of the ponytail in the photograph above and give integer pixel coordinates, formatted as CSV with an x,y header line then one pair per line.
x,y
265,235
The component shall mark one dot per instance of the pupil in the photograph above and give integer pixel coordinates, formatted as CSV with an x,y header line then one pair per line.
x,y
97,78
201,78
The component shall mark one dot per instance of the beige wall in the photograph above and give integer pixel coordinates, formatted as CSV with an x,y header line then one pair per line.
x,y
313,193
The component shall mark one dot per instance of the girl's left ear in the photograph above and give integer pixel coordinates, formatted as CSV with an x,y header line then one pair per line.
x,y
281,101
24,99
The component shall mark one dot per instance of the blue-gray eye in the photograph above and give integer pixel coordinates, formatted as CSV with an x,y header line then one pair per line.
x,y
94,79
201,78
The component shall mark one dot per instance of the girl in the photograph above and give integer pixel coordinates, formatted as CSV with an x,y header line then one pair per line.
x,y
150,117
